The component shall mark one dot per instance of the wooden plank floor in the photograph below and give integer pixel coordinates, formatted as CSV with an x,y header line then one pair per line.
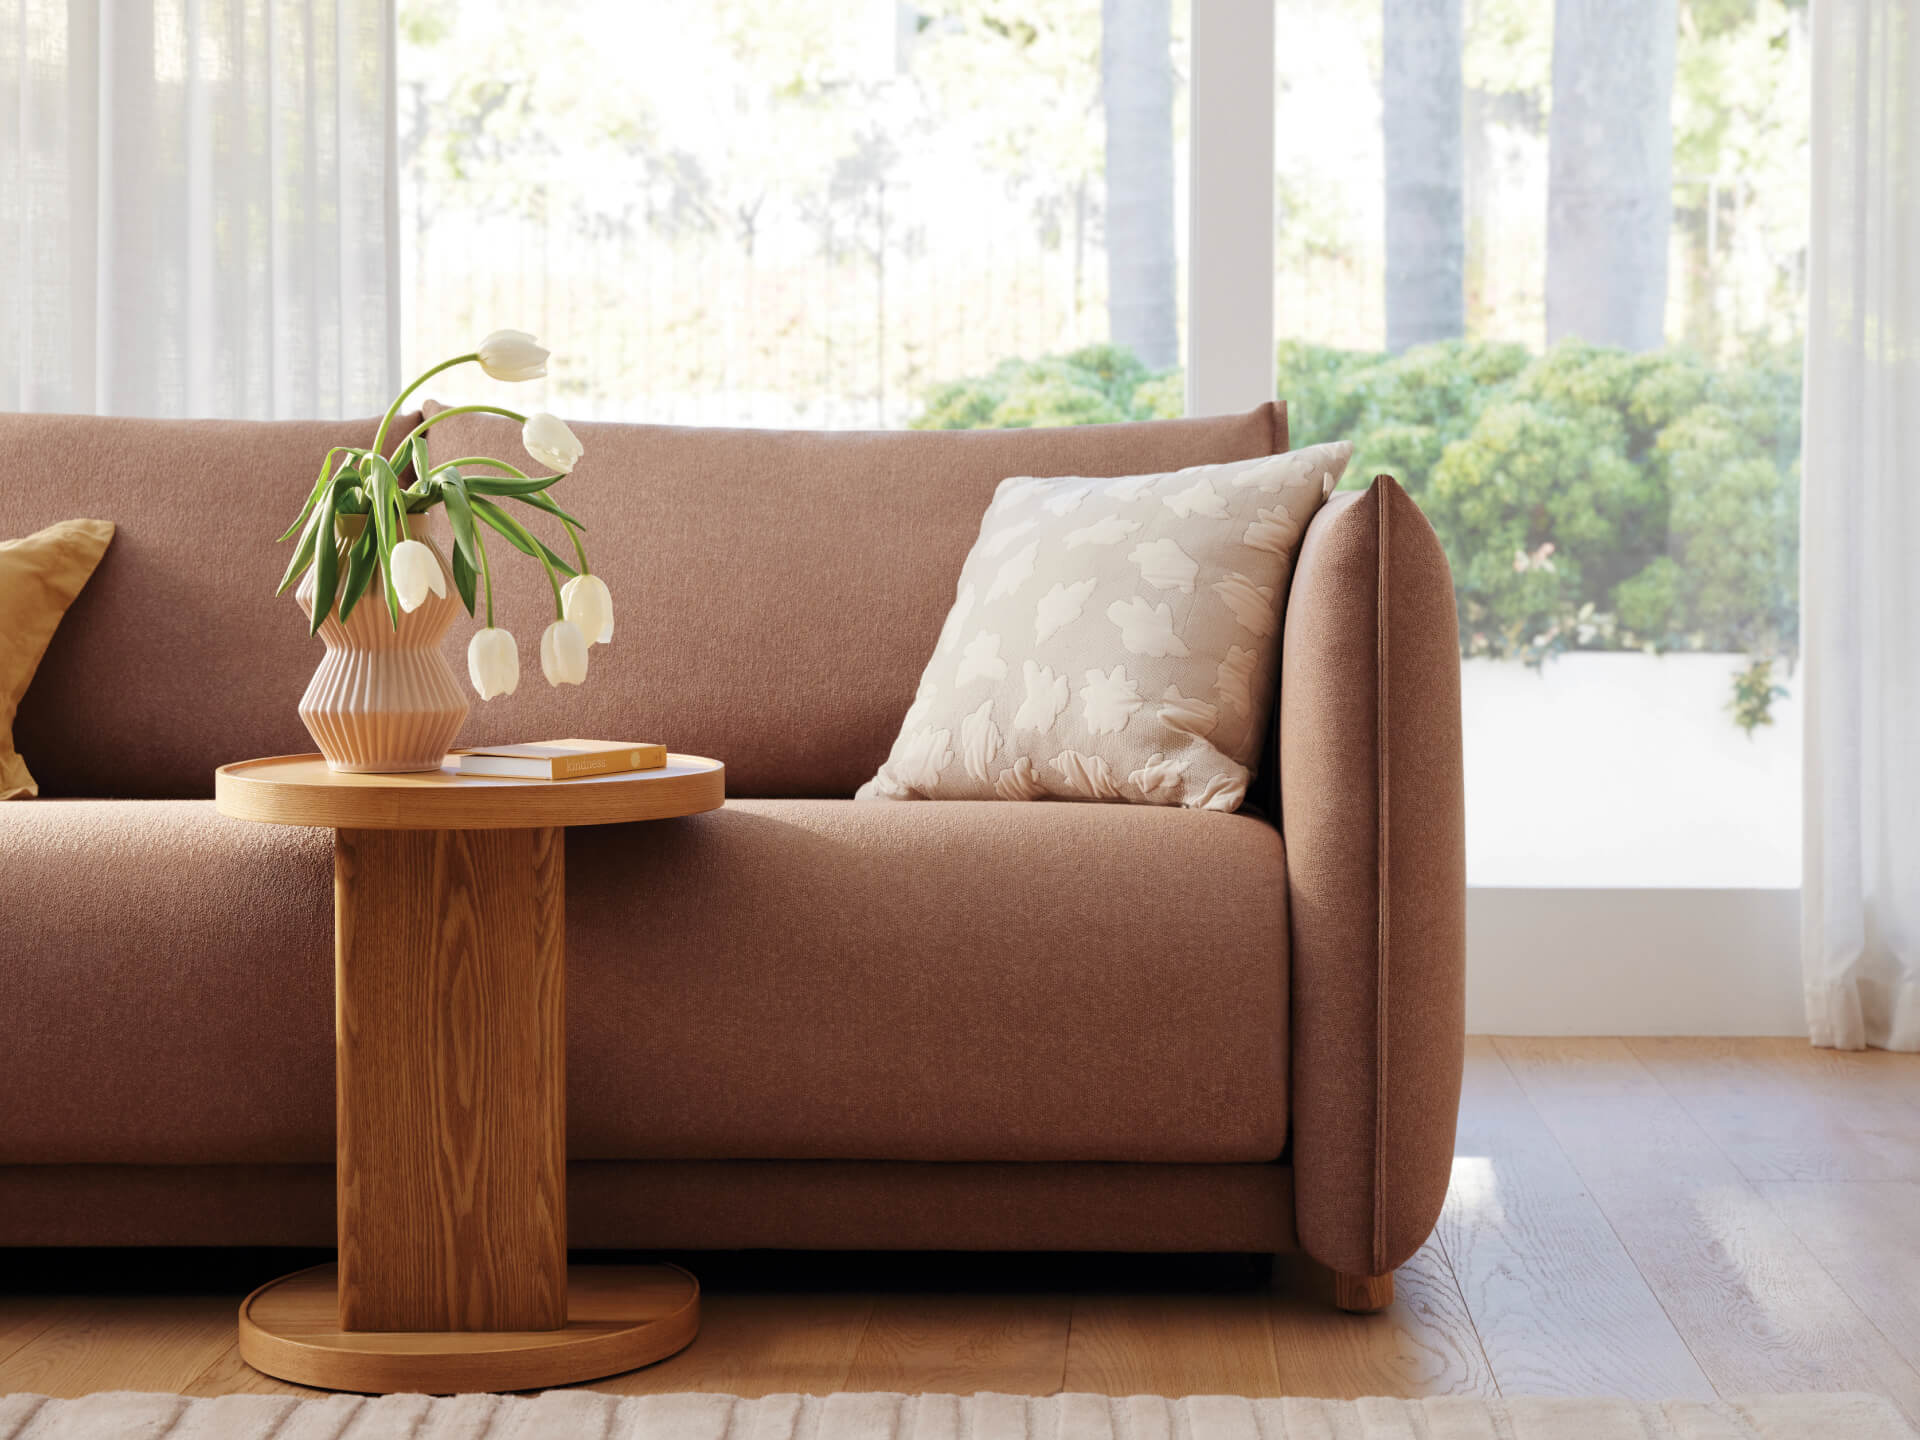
x,y
1652,1218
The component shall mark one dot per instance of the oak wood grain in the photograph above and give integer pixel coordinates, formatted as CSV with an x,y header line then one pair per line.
x,y
1782,1110
301,790
1866,1235
1210,1344
22,1317
1559,1306
1755,1308
1423,1343
451,1077
762,1344
231,1375
122,1343
958,1344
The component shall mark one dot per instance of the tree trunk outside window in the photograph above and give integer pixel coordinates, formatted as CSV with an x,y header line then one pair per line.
x,y
1136,89
1610,171
1421,95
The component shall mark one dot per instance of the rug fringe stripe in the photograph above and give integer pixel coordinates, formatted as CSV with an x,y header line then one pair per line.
x,y
587,1415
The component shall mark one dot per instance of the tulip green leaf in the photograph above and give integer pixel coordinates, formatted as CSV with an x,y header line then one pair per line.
x,y
517,535
360,566
546,503
453,490
382,526
383,538
421,487
384,556
403,459
326,559
532,485
302,556
463,576
387,495
313,496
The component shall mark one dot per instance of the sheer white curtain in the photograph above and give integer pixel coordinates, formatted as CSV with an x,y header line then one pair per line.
x,y
198,212
1860,530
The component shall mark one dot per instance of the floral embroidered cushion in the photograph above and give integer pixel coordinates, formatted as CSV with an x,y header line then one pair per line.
x,y
1114,639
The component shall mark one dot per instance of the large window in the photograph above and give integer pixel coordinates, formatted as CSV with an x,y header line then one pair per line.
x,y
1543,260
803,212
1545,263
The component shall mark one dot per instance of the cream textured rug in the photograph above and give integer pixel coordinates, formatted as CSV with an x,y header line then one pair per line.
x,y
582,1415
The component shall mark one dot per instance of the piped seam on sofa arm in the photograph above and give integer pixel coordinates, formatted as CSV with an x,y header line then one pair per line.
x,y
1383,866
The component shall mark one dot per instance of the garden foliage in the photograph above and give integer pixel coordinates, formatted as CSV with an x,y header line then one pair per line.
x,y
1587,498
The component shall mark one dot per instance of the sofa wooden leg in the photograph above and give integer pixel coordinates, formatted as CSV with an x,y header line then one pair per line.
x,y
1362,1294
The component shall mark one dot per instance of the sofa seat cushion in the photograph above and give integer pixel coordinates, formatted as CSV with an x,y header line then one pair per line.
x,y
166,983
964,981
776,980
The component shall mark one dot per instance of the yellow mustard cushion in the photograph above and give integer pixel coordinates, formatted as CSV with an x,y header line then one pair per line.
x,y
39,578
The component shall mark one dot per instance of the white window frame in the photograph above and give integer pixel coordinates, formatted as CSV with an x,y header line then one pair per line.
x,y
1559,961
1230,340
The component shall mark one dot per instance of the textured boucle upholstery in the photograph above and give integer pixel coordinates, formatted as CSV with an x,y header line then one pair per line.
x,y
1374,813
775,980
702,1205
168,990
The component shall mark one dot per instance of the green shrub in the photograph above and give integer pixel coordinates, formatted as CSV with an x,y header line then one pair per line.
x,y
1164,397
1649,603
1587,498
1090,386
1401,411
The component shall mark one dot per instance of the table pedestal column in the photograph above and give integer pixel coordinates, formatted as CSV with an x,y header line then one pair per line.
x,y
450,1036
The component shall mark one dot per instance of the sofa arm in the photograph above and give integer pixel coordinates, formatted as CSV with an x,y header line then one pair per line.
x,y
1373,816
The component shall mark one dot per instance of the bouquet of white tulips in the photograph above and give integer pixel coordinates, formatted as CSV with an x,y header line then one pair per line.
x,y
369,482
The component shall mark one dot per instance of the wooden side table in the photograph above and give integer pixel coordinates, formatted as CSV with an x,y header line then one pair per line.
x,y
450,1049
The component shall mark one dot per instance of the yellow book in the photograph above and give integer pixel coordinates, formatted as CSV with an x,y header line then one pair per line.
x,y
561,759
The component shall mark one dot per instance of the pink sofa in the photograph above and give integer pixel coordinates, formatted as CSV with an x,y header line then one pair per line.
x,y
798,1021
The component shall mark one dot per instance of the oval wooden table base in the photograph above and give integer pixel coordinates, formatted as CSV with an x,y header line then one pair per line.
x,y
619,1317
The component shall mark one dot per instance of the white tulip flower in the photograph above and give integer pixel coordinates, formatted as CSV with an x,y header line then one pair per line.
x,y
590,606
563,654
549,441
493,662
513,355
416,571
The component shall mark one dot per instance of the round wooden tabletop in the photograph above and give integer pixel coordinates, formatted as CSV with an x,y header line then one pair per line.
x,y
301,790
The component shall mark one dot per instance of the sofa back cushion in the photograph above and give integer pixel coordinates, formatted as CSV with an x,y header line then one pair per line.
x,y
177,656
776,593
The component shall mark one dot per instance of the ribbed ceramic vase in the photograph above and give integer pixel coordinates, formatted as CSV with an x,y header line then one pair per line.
x,y
384,700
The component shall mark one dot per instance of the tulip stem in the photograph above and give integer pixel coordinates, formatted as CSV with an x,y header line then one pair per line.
x,y
486,571
434,420
559,606
579,550
380,435
480,460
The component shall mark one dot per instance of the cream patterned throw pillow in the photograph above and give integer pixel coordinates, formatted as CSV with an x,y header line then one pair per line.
x,y
1113,639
